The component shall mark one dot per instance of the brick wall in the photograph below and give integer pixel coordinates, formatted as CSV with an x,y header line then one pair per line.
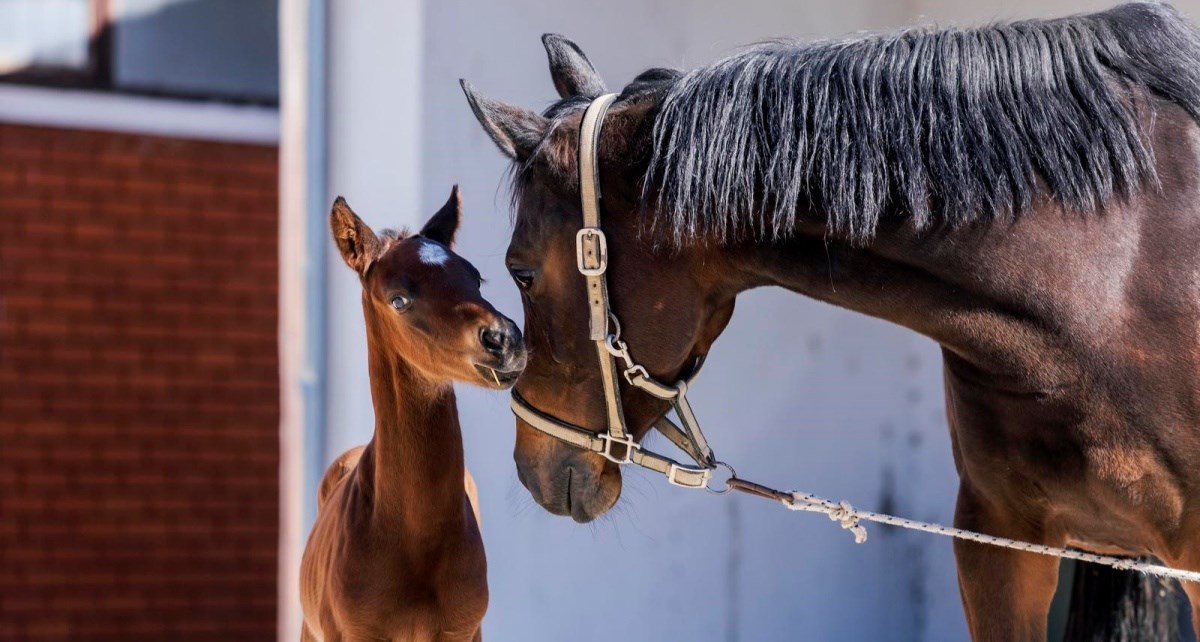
x,y
139,396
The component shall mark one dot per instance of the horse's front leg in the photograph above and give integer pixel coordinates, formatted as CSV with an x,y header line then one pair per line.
x,y
1006,593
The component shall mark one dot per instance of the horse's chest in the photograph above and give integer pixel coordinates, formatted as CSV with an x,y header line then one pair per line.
x,y
1010,436
1059,461
370,587
396,596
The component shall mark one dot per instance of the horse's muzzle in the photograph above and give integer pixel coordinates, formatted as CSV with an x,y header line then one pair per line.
x,y
563,479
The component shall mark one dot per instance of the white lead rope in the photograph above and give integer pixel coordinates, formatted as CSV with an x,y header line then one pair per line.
x,y
849,517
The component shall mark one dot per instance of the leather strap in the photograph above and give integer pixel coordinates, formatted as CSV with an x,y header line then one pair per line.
x,y
592,255
612,391
592,245
676,473
616,443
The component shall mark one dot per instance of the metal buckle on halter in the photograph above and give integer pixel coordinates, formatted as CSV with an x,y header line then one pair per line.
x,y
628,442
674,468
601,251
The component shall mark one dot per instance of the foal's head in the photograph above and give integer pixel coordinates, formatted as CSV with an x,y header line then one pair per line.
x,y
671,305
422,300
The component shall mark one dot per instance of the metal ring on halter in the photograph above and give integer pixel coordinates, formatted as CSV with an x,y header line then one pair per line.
x,y
732,474
616,325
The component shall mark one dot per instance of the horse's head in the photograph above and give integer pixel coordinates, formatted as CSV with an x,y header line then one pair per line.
x,y
423,300
671,302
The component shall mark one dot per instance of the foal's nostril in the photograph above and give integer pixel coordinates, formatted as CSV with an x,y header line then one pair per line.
x,y
492,340
514,336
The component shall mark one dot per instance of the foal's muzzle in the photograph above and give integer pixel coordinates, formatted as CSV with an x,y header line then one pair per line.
x,y
504,350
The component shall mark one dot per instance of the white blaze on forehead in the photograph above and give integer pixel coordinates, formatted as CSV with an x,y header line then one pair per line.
x,y
432,254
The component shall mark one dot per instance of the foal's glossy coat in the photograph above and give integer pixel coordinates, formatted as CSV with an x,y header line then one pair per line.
x,y
1041,222
395,553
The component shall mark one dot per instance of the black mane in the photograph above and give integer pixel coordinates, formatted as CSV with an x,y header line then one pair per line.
x,y
945,126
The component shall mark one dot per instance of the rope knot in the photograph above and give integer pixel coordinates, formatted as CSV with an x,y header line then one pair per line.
x,y
844,514
1124,564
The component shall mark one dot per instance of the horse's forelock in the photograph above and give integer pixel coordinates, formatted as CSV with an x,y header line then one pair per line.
x,y
555,158
389,237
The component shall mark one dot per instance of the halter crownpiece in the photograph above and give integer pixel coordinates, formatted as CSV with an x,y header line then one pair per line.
x,y
616,443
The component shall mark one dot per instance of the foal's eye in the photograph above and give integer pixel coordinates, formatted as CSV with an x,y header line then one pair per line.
x,y
401,302
523,276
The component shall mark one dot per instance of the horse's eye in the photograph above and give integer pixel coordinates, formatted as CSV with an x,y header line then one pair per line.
x,y
401,303
523,276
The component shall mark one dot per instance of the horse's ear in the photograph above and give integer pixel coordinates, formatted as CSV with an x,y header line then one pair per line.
x,y
572,72
355,239
442,225
515,131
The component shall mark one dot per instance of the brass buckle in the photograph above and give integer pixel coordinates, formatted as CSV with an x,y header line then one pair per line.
x,y
582,237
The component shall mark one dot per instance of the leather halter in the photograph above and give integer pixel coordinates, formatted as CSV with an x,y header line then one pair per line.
x,y
616,443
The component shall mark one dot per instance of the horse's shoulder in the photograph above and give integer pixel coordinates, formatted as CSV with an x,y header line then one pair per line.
x,y
337,471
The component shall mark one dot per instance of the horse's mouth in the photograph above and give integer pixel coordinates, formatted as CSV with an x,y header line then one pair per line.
x,y
502,378
567,495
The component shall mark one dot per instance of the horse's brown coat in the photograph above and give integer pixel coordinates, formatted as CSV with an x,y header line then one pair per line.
x,y
396,553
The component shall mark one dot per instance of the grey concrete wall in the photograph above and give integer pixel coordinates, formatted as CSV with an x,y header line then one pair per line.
x,y
374,139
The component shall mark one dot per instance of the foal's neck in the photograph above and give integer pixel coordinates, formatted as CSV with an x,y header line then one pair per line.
x,y
415,459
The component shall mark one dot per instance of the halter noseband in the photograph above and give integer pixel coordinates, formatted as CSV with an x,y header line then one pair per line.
x,y
617,444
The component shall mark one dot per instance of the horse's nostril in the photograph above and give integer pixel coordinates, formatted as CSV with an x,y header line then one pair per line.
x,y
492,340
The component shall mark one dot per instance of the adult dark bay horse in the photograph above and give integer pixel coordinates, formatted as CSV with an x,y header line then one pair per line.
x,y
1027,195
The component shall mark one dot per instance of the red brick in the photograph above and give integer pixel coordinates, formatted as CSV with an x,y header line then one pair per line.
x,y
138,387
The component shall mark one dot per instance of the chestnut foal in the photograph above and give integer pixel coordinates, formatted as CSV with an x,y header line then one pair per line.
x,y
395,553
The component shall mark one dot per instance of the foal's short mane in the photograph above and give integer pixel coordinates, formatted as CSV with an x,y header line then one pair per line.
x,y
945,126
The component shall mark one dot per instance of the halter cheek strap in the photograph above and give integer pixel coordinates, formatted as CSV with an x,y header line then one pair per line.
x,y
616,443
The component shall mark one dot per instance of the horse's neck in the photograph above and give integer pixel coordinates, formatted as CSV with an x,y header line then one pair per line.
x,y
414,462
976,304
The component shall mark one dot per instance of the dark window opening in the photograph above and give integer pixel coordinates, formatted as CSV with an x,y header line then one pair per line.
x,y
224,50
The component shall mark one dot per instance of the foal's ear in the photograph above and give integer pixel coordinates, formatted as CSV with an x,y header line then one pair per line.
x,y
355,239
442,225
572,72
515,131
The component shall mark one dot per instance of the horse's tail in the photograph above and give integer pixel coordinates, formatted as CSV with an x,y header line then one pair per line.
x,y
1111,605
